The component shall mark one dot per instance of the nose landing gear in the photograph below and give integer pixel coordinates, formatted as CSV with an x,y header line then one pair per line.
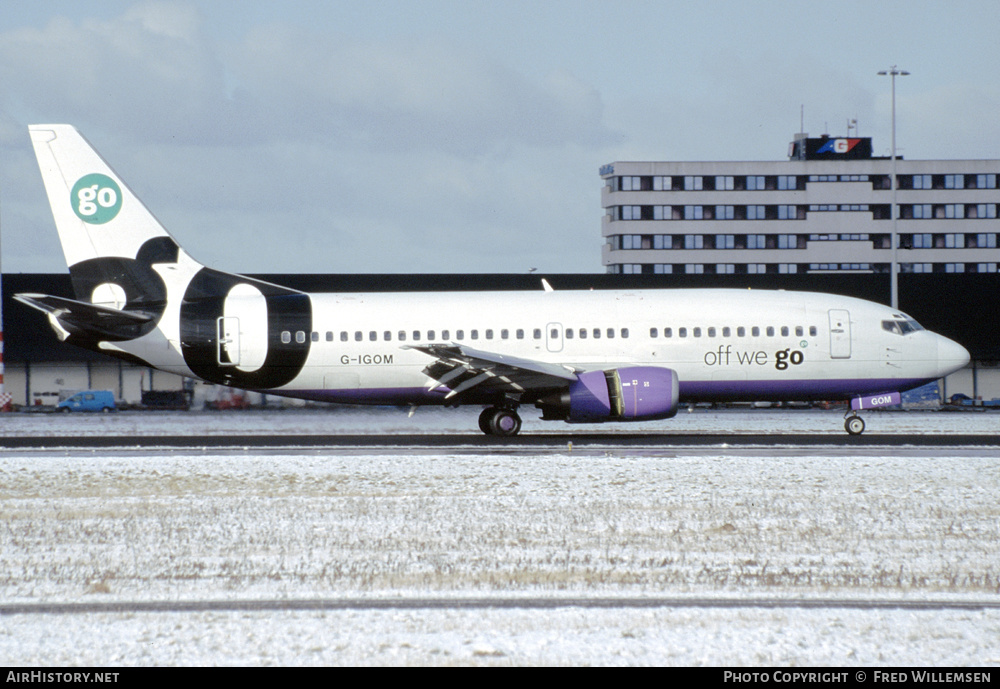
x,y
500,421
853,423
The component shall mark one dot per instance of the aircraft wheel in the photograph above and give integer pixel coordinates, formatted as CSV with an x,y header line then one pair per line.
x,y
854,425
484,420
505,422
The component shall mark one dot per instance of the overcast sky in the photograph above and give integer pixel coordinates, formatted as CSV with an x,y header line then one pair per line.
x,y
435,136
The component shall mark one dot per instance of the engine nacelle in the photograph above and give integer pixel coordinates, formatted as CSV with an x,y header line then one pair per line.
x,y
637,393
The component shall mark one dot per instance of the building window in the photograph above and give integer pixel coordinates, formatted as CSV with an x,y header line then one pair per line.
x,y
630,184
954,241
693,183
694,213
725,212
724,183
662,212
922,182
986,181
755,212
694,269
662,183
694,241
757,268
756,241
755,183
663,268
725,241
788,182
954,181
725,268
662,241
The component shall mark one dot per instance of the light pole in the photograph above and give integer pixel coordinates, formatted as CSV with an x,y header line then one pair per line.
x,y
894,267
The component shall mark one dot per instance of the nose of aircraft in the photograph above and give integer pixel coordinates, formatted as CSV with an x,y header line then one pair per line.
x,y
951,356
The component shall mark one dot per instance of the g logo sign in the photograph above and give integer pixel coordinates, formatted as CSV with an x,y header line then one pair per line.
x,y
96,199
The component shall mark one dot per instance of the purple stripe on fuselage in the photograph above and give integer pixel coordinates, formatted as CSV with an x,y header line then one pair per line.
x,y
690,391
790,390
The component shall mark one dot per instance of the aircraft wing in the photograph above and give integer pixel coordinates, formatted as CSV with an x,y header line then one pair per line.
x,y
462,368
70,317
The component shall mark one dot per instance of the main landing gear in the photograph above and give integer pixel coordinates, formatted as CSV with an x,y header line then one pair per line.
x,y
500,421
853,423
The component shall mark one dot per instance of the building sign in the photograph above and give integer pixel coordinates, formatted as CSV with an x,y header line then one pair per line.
x,y
827,148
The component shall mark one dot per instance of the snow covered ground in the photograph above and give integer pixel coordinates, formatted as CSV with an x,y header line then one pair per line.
x,y
708,522
435,420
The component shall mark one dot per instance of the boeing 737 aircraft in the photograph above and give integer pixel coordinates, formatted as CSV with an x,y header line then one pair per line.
x,y
578,356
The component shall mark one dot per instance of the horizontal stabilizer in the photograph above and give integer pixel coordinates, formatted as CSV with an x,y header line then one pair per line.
x,y
71,317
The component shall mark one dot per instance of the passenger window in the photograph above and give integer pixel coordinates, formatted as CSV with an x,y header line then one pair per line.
x,y
668,332
387,336
798,331
372,335
770,331
537,333
611,333
711,332
343,336
520,334
682,332
741,331
416,335
286,337
727,332
444,335
597,333
402,336
474,335
812,331
624,333
300,336
315,336
755,331
430,334
653,332
583,333
329,336
697,332
569,333
489,334
504,334
357,336
784,331
459,334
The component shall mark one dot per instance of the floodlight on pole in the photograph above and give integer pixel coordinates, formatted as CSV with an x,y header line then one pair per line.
x,y
894,264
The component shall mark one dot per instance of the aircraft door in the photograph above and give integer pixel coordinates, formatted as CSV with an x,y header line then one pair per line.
x,y
554,337
840,334
243,329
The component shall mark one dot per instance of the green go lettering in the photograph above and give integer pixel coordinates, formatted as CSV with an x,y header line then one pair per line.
x,y
96,199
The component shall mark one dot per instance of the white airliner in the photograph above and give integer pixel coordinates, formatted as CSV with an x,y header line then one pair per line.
x,y
579,356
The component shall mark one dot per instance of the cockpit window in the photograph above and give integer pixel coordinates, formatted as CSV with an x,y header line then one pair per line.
x,y
901,324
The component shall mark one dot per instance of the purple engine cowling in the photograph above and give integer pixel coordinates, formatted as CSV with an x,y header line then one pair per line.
x,y
637,393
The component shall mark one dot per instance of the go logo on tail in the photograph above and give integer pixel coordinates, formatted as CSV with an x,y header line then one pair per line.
x,y
96,199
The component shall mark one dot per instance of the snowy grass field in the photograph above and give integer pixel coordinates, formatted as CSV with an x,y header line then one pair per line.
x,y
708,522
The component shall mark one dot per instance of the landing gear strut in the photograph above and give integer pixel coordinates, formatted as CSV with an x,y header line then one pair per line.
x,y
854,424
500,421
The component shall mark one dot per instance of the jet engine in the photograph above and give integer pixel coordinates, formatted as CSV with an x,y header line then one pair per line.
x,y
637,393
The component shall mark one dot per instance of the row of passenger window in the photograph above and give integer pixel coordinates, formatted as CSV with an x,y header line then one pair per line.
x,y
741,331
536,334
446,335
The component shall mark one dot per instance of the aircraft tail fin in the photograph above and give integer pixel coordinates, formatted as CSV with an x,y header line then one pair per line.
x,y
109,238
